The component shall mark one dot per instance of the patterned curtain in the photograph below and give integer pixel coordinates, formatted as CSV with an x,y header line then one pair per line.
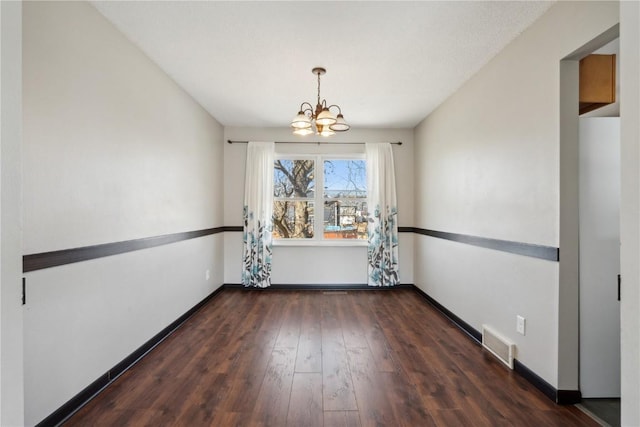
x,y
383,226
258,206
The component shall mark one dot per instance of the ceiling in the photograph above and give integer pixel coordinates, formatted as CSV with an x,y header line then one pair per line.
x,y
389,63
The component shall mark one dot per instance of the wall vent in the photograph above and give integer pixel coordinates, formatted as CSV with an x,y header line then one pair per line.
x,y
497,345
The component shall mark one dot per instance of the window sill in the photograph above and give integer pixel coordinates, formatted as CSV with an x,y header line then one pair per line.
x,y
320,243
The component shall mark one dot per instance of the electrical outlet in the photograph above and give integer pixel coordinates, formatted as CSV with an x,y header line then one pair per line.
x,y
207,275
520,324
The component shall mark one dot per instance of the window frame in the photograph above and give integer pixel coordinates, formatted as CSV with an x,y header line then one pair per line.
x,y
319,200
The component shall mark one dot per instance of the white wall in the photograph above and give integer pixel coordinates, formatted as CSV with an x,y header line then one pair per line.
x,y
487,164
308,265
11,324
113,150
630,210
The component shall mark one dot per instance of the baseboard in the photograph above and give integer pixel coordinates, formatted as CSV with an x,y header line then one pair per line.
x,y
568,397
537,381
471,332
63,413
319,287
561,397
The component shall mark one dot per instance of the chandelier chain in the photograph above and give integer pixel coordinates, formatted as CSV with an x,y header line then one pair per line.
x,y
318,88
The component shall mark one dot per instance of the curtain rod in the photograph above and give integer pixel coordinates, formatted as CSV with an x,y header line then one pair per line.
x,y
310,142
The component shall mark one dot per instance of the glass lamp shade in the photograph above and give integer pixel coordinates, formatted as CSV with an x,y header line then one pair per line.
x,y
303,131
325,131
301,121
325,118
340,125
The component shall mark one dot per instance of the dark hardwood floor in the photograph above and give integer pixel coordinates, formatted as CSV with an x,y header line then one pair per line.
x,y
313,358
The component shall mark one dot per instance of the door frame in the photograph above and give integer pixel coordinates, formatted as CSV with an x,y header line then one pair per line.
x,y
569,272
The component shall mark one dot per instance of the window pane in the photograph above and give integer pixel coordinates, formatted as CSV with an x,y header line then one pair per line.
x,y
345,215
292,220
293,178
345,179
345,219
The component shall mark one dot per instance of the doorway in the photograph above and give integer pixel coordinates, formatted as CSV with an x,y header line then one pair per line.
x,y
569,293
599,252
599,266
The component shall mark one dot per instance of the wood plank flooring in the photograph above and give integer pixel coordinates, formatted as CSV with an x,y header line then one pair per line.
x,y
314,358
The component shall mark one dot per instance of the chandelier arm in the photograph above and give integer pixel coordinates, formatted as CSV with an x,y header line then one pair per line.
x,y
304,110
337,106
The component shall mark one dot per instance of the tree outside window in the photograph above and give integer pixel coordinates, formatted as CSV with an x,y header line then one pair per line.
x,y
294,192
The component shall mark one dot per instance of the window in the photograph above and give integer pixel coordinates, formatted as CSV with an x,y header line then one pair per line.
x,y
320,199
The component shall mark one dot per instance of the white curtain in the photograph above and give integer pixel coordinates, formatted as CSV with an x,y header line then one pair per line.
x,y
383,214
258,206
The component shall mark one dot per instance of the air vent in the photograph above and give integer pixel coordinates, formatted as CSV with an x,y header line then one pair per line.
x,y
497,345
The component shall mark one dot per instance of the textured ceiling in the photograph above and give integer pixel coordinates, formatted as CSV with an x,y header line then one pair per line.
x,y
389,64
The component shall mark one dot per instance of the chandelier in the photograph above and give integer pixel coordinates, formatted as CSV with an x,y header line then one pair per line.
x,y
321,120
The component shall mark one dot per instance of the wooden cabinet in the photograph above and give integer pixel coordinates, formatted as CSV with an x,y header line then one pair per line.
x,y
597,82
